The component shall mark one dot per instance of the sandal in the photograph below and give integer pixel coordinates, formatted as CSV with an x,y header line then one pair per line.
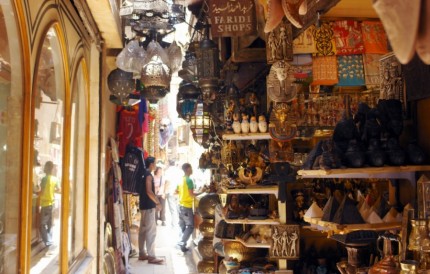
x,y
153,260
143,257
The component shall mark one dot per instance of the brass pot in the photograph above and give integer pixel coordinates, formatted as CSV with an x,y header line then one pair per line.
x,y
206,266
207,204
207,228
238,251
206,249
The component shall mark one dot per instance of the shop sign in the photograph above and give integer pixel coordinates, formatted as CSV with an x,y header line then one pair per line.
x,y
231,18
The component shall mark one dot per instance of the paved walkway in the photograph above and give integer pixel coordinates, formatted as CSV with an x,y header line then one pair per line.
x,y
176,261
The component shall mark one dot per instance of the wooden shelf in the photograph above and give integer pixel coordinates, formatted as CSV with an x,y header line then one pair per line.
x,y
254,245
332,228
246,136
253,222
253,190
388,172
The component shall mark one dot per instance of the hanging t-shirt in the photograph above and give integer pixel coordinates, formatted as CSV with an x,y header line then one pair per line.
x,y
129,130
133,170
145,202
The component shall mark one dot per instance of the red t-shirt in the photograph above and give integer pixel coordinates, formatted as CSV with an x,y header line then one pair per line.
x,y
129,130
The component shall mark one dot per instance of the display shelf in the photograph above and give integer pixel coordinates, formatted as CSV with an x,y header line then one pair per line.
x,y
247,221
246,136
387,172
332,228
253,190
254,245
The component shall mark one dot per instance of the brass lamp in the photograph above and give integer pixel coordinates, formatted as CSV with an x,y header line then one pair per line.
x,y
121,84
208,67
156,79
201,125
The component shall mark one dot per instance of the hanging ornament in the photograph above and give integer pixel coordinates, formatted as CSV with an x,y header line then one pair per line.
x,y
121,84
156,79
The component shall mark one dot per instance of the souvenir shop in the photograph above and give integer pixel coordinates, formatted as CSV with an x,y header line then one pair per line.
x,y
312,119
306,123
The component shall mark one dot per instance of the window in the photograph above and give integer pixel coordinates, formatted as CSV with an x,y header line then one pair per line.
x,y
11,107
48,155
77,173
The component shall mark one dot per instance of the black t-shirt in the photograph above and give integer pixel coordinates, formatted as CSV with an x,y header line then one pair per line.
x,y
144,201
133,170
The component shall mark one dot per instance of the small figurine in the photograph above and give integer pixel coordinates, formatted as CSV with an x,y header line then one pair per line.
x,y
253,125
262,124
245,124
299,209
236,124
254,103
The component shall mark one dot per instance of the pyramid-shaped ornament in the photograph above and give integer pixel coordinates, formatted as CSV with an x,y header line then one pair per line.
x,y
330,209
347,213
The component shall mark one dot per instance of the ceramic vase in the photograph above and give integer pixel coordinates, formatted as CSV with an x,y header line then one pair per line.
x,y
262,124
253,125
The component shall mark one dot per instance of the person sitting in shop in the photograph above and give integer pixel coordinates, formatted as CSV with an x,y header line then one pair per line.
x,y
148,204
161,196
185,190
48,187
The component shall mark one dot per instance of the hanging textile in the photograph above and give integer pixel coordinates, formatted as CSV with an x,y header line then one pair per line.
x,y
351,71
132,168
305,43
324,70
324,40
348,37
302,66
129,130
374,37
371,69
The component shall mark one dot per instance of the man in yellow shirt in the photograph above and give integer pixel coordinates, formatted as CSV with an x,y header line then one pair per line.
x,y
49,185
185,191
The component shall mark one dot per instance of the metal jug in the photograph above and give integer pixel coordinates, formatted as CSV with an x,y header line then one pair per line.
x,y
388,264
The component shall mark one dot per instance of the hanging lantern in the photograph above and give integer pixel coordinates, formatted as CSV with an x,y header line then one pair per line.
x,y
187,97
121,84
155,79
201,125
189,65
208,67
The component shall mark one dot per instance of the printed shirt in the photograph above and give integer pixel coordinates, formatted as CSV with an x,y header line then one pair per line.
x,y
129,131
48,186
185,199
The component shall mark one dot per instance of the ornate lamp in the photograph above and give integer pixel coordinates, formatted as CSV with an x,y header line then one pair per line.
x,y
189,65
208,67
121,84
186,100
155,79
201,125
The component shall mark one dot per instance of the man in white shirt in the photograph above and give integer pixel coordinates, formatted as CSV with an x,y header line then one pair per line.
x,y
173,176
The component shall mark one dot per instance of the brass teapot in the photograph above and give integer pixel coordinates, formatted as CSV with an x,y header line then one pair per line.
x,y
388,264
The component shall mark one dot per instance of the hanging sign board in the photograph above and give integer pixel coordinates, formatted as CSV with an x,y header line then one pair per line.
x,y
230,18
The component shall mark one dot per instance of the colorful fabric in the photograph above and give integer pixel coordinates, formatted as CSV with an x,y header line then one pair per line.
x,y
348,37
324,41
305,43
371,69
374,37
129,130
351,71
185,199
48,186
302,66
324,70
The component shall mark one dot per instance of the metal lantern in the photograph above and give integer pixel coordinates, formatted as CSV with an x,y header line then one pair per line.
x,y
187,97
201,125
121,84
208,67
189,65
156,79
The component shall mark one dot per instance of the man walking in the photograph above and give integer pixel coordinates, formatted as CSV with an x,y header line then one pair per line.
x,y
148,204
186,194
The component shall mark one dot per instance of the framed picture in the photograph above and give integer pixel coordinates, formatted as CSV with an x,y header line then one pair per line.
x,y
285,242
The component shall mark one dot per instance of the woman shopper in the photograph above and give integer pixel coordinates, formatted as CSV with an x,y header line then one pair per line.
x,y
148,205
159,183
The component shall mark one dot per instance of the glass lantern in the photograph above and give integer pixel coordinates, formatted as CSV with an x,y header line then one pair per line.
x,y
201,124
